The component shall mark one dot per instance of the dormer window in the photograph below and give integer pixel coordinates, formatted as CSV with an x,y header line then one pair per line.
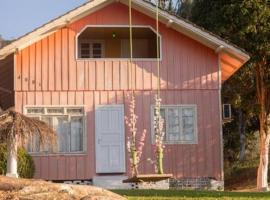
x,y
113,42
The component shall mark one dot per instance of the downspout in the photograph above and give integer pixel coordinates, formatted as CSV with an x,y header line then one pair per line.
x,y
218,50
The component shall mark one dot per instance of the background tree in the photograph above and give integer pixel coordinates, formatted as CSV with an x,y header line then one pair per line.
x,y
178,7
240,92
183,8
246,23
4,42
16,129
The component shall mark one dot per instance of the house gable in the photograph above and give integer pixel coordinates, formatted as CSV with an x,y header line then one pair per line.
x,y
234,57
51,64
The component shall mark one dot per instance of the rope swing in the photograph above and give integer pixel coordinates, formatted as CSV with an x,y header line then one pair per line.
x,y
158,121
132,121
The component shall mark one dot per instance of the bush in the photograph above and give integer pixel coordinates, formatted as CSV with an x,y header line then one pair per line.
x,y
26,167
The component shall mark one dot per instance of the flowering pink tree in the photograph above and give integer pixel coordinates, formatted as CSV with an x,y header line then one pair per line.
x,y
134,146
159,135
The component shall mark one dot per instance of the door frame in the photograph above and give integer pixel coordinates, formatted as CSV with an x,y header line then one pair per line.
x,y
122,107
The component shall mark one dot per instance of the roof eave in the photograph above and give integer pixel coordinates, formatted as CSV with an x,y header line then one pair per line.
x,y
182,26
190,30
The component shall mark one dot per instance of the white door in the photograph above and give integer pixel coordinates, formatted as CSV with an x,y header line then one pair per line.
x,y
110,139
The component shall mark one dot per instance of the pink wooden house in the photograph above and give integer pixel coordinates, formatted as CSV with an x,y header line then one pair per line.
x,y
73,73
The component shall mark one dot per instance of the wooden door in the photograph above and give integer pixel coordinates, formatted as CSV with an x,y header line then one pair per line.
x,y
110,139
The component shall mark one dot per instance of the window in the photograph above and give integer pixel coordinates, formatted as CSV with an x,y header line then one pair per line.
x,y
91,49
227,111
68,122
180,124
113,42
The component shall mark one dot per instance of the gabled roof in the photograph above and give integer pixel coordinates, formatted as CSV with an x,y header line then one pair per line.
x,y
231,56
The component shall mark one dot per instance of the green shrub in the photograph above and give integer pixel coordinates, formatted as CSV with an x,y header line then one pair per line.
x,y
26,167
3,159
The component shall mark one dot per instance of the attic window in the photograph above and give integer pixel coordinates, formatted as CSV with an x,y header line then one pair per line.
x,y
113,42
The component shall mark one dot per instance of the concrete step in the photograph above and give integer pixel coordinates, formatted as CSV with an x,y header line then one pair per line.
x,y
111,182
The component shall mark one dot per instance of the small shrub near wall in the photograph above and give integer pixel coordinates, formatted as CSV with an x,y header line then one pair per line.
x,y
3,159
26,167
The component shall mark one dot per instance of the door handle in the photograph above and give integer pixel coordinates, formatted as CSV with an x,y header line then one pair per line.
x,y
99,141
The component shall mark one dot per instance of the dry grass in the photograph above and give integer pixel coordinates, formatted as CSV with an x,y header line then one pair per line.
x,y
12,188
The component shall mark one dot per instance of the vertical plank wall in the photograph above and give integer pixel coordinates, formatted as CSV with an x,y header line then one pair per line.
x,y
7,82
47,73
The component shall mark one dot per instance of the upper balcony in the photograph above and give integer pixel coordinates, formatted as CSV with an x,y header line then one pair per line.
x,y
113,42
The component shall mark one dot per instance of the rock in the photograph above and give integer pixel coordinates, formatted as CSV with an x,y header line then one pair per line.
x,y
26,189
216,185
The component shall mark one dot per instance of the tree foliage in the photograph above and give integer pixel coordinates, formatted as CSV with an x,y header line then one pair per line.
x,y
26,167
24,128
247,24
244,22
16,129
178,7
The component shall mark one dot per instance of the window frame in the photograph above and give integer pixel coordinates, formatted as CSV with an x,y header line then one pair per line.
x,y
66,107
223,111
90,42
166,106
116,26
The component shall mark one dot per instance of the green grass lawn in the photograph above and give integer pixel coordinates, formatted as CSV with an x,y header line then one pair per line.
x,y
180,194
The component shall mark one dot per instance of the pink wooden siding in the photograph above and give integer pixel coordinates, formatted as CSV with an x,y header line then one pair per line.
x,y
188,65
47,73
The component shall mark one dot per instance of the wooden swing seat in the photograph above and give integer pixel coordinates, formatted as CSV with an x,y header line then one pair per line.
x,y
147,178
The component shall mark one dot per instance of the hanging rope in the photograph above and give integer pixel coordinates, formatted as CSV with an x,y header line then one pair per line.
x,y
130,43
158,48
158,120
133,116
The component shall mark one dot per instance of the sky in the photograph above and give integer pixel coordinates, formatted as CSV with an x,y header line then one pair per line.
x,y
18,17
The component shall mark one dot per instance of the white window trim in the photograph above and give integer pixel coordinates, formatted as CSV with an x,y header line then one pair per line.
x,y
223,111
84,151
194,106
77,57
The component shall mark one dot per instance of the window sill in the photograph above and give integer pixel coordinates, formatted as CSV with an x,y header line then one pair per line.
x,y
178,142
117,59
83,153
172,143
